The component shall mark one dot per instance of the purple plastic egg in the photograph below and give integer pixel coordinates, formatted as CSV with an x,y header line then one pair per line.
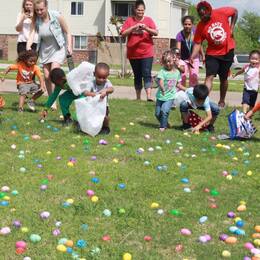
x,y
43,187
208,237
17,223
93,158
223,237
56,232
231,214
247,258
203,239
44,214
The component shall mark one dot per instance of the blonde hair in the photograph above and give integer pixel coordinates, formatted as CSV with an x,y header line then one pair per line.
x,y
41,1
165,55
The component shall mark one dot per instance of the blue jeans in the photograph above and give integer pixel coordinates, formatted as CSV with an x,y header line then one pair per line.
x,y
185,107
142,69
162,110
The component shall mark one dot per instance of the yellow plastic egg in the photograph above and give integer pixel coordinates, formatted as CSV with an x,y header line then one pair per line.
x,y
235,158
49,152
117,136
257,242
131,123
127,256
70,164
61,248
72,145
6,198
154,205
231,240
226,253
70,201
257,228
257,156
237,219
94,199
24,229
115,160
242,202
249,173
219,145
179,164
240,149
229,177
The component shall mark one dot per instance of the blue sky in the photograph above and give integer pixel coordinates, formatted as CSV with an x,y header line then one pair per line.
x,y
241,5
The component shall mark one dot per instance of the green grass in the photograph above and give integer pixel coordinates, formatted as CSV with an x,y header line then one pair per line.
x,y
144,185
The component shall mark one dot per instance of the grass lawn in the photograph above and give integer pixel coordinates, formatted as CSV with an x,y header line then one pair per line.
x,y
126,183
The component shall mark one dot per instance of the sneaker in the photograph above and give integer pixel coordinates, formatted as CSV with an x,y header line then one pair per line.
x,y
31,105
186,126
210,128
20,110
105,130
67,120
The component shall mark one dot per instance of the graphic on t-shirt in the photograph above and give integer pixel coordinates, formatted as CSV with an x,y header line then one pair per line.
x,y
171,83
26,75
217,33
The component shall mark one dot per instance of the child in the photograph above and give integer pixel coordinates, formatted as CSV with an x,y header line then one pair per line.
x,y
180,63
250,113
251,80
58,77
169,78
101,86
197,98
26,70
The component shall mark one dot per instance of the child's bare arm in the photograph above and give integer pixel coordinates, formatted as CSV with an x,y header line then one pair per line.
x,y
203,122
5,72
161,85
89,93
241,71
180,86
106,91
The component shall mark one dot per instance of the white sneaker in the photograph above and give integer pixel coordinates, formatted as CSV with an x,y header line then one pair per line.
x,y
31,104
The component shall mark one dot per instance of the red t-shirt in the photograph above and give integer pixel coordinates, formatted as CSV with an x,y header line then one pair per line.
x,y
217,32
140,42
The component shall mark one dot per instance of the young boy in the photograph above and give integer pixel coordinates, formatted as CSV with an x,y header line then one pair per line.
x,y
101,86
197,98
58,77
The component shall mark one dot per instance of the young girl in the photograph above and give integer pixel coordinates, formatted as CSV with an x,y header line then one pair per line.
x,y
251,80
169,78
26,70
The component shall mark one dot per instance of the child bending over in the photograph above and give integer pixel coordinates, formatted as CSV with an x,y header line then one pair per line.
x,y
197,98
26,70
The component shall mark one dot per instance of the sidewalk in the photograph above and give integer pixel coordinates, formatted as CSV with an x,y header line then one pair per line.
x,y
122,92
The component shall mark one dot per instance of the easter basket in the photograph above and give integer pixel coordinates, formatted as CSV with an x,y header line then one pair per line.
x,y
239,127
194,119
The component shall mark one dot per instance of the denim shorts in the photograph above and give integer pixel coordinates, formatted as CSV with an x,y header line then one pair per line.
x,y
31,88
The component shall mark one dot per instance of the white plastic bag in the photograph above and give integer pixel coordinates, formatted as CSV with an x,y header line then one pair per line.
x,y
79,78
180,96
91,112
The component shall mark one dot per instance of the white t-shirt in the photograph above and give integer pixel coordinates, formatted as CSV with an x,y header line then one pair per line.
x,y
251,77
23,36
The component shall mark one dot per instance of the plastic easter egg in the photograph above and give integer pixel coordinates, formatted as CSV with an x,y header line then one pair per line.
x,y
84,227
106,238
56,232
14,192
4,203
147,137
81,243
233,229
257,228
203,219
43,187
20,244
203,239
175,212
150,149
231,214
24,229
70,201
90,193
95,251
35,238
167,141
255,251
95,180
223,237
229,177
237,219
5,231
241,208
256,235
121,186
249,173
240,223
17,223
62,241
160,211
231,240
257,242
61,248
226,254
188,190
69,243
27,258
140,150
69,250
45,215
146,163
185,232
5,189
154,205
22,170
214,192
127,256
179,248
20,250
121,211
94,199
13,146
248,246
147,238
107,213
185,180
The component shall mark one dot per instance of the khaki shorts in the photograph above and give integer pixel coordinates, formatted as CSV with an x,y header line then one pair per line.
x,y
31,88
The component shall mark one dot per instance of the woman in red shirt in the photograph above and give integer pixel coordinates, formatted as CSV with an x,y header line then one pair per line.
x,y
139,30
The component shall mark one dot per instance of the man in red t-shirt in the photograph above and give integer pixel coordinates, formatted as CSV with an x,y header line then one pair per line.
x,y
216,28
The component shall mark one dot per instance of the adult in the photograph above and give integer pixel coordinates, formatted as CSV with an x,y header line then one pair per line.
x,y
139,30
54,41
23,25
217,30
185,44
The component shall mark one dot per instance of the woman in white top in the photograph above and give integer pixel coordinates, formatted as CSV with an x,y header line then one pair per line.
x,y
23,25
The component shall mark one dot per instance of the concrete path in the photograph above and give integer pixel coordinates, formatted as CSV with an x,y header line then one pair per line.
x,y
122,92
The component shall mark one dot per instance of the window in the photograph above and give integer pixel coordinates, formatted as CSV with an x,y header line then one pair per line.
x,y
80,43
123,9
77,8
